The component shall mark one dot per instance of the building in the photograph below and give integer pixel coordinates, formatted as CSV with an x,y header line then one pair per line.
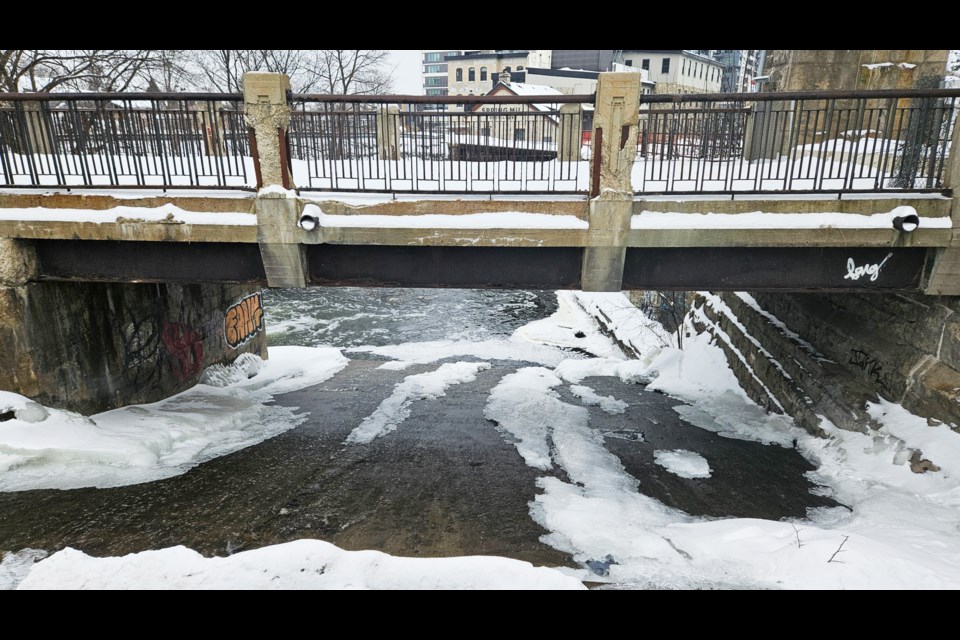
x,y
477,72
677,71
516,132
672,71
434,71
586,59
740,67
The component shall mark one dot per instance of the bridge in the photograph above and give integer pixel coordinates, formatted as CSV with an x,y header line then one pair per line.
x,y
212,196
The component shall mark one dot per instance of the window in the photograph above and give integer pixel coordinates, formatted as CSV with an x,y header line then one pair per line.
x,y
519,135
471,75
665,66
459,75
683,67
434,68
519,67
629,63
432,57
435,82
645,64
483,74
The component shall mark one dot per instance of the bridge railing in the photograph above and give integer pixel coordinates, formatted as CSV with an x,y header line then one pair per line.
x,y
472,144
124,140
796,142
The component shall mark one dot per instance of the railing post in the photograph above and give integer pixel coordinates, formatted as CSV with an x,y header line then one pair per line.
x,y
571,127
615,122
388,119
944,279
38,134
267,112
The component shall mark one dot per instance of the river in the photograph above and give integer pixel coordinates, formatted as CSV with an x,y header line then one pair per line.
x,y
446,483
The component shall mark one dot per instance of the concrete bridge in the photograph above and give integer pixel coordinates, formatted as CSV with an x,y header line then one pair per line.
x,y
110,299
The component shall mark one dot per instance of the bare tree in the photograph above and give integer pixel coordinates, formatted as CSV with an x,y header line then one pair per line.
x,y
75,69
310,70
353,71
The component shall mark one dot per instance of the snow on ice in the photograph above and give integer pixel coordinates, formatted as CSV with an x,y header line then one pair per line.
x,y
686,464
396,408
52,449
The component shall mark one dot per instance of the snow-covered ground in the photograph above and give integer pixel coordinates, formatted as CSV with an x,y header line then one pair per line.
x,y
302,564
902,530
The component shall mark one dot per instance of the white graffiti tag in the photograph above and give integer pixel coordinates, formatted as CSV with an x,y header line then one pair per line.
x,y
873,270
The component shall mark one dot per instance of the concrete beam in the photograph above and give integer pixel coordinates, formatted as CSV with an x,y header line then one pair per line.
x,y
603,258
280,240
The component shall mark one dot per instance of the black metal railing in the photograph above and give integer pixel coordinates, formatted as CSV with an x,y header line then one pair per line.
x,y
124,140
795,142
789,142
470,144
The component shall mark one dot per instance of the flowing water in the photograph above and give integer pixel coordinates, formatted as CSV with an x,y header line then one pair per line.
x,y
445,483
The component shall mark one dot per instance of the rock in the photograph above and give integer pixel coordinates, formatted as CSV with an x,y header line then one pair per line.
x,y
921,465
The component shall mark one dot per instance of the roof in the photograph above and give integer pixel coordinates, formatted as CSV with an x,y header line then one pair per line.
x,y
563,73
523,89
489,56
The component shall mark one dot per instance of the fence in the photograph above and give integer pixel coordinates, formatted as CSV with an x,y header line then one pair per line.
x,y
797,142
124,140
484,144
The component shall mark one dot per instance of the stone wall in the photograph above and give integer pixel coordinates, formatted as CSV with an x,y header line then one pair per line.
x,y
809,70
89,347
855,348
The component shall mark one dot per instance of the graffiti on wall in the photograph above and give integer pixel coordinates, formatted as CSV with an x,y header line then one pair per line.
x,y
185,349
855,272
141,348
243,320
866,363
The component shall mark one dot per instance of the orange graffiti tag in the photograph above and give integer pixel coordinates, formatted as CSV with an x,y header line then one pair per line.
x,y
243,320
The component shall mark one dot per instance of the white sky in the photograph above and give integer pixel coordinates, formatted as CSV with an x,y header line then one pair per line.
x,y
406,73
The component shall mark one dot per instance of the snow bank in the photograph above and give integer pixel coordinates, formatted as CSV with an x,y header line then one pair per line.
x,y
303,564
570,327
141,443
686,464
396,408
14,566
899,530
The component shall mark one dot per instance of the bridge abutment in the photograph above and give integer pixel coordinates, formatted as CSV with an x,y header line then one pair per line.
x,y
88,346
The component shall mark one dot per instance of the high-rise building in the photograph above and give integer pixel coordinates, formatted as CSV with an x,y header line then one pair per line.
x,y
434,72
740,66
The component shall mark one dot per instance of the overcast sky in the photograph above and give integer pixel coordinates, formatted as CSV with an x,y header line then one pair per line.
x,y
406,74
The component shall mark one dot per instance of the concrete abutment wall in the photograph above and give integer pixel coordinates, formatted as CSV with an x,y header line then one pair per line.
x,y
90,347
855,348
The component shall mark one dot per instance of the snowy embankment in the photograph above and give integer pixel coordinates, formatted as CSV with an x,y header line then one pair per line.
x,y
899,529
44,448
303,564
